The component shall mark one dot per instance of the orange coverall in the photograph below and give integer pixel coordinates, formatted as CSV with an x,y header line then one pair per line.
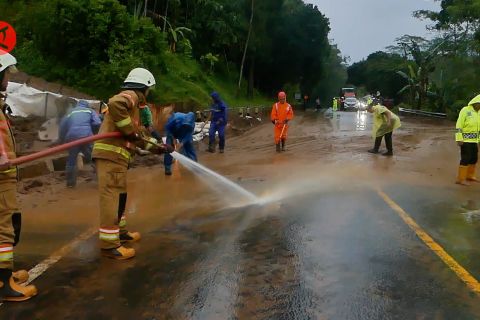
x,y
280,113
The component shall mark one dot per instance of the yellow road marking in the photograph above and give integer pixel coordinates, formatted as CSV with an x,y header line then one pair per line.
x,y
460,271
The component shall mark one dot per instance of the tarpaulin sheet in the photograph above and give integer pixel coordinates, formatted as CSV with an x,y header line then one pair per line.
x,y
25,101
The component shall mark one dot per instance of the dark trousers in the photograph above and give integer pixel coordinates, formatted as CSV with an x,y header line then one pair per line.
x,y
468,154
214,128
71,167
388,142
188,150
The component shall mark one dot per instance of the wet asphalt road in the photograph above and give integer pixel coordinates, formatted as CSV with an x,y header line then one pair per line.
x,y
323,253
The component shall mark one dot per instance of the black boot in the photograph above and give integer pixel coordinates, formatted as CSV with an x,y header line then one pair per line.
x,y
211,148
283,144
378,141
278,147
11,291
389,144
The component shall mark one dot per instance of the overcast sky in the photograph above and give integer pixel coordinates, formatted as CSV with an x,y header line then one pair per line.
x,y
360,27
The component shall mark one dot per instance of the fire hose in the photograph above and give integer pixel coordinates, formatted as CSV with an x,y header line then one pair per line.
x,y
61,148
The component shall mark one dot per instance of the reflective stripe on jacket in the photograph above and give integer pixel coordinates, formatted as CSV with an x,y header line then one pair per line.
x,y
122,116
468,125
281,112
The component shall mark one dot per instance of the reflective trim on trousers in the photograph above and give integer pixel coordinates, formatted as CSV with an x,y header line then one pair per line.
x,y
6,253
109,234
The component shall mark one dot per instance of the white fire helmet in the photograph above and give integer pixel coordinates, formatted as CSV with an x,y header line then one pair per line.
x,y
139,78
7,60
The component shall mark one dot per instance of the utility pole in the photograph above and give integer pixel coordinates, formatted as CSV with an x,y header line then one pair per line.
x,y
246,47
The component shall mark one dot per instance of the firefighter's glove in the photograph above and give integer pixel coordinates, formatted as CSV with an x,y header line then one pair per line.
x,y
133,137
285,122
274,121
169,148
164,148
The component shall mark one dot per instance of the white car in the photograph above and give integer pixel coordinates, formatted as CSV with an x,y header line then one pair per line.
x,y
350,103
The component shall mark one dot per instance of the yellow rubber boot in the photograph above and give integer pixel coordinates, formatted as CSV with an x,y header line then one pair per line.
x,y
120,253
471,173
462,176
20,276
130,236
11,291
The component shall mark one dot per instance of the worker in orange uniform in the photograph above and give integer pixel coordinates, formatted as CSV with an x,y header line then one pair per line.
x,y
10,216
112,158
282,113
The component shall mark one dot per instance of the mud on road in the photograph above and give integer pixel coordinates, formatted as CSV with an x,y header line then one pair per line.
x,y
326,246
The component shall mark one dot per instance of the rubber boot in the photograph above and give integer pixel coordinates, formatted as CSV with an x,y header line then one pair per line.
x,y
11,291
462,176
278,147
20,276
71,173
120,253
376,146
168,170
387,154
221,150
211,148
283,144
130,236
471,173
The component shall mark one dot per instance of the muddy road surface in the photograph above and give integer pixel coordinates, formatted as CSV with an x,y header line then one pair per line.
x,y
336,233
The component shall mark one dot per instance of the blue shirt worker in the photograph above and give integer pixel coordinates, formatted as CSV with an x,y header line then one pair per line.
x,y
180,126
218,116
81,122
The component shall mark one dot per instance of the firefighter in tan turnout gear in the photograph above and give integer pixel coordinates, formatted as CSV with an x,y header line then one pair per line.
x,y
10,217
112,157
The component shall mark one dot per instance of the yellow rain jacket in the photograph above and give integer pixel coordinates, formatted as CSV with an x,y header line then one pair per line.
x,y
468,123
380,121
335,104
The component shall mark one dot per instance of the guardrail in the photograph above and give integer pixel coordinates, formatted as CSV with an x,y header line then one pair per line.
x,y
423,113
255,112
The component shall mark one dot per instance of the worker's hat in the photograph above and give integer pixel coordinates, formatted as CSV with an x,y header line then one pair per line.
x,y
139,78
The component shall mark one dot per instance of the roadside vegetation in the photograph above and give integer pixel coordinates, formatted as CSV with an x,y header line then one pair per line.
x,y
242,48
439,74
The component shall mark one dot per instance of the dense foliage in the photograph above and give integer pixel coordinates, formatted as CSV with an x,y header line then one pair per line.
x,y
437,74
91,44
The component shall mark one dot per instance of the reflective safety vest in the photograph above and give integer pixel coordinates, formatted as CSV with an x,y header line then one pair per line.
x,y
468,125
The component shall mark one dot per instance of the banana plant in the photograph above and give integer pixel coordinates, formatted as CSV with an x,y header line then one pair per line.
x,y
175,34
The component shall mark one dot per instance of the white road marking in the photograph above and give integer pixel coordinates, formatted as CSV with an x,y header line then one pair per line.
x,y
43,266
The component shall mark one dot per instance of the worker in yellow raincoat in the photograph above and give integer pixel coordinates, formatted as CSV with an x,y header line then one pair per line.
x,y
467,137
384,123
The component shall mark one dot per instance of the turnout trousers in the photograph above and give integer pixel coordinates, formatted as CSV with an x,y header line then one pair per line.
x,y
112,188
10,220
